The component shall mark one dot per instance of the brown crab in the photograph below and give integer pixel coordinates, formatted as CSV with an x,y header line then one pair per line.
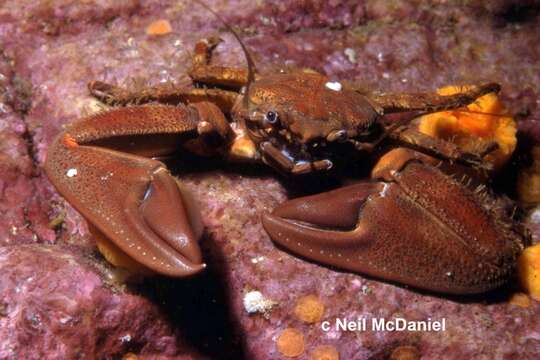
x,y
411,224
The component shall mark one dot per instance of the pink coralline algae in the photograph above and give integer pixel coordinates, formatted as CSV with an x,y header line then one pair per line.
x,y
60,299
57,306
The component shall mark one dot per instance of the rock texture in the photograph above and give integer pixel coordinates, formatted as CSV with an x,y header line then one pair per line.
x,y
58,298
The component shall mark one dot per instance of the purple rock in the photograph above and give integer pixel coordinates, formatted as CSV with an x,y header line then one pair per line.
x,y
56,298
57,305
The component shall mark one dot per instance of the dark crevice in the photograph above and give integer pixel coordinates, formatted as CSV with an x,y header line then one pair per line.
x,y
21,103
520,13
18,96
29,225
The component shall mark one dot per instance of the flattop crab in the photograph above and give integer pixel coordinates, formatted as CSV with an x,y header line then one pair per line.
x,y
411,224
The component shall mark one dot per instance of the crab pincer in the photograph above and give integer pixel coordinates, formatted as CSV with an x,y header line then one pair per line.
x,y
414,226
131,199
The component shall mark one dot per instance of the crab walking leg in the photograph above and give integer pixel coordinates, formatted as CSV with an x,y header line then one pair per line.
x,y
446,150
393,103
132,200
163,94
417,227
432,102
203,72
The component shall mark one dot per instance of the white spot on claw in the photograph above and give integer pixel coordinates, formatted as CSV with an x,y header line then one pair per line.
x,y
71,172
333,85
384,190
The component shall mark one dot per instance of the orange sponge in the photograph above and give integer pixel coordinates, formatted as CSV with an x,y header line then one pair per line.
x,y
485,119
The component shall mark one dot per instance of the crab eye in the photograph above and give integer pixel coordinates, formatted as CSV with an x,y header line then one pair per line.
x,y
271,117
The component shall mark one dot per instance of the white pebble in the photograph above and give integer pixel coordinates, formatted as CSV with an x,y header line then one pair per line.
x,y
535,216
257,259
255,302
125,338
351,55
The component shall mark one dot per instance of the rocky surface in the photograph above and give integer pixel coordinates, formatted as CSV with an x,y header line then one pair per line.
x,y
68,311
58,298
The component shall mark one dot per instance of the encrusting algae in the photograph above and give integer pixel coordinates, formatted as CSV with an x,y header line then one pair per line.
x,y
159,27
290,343
520,299
129,356
529,271
325,352
405,352
486,119
309,309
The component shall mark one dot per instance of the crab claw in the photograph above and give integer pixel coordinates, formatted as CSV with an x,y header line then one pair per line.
x,y
421,228
130,199
322,227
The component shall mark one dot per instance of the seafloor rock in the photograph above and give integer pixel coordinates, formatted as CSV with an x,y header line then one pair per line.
x,y
56,305
24,205
56,301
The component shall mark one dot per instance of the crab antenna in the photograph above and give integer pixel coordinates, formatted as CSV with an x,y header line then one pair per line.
x,y
249,60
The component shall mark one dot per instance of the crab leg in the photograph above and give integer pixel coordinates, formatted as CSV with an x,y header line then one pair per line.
x,y
387,103
446,150
204,72
431,102
131,199
163,94
416,226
